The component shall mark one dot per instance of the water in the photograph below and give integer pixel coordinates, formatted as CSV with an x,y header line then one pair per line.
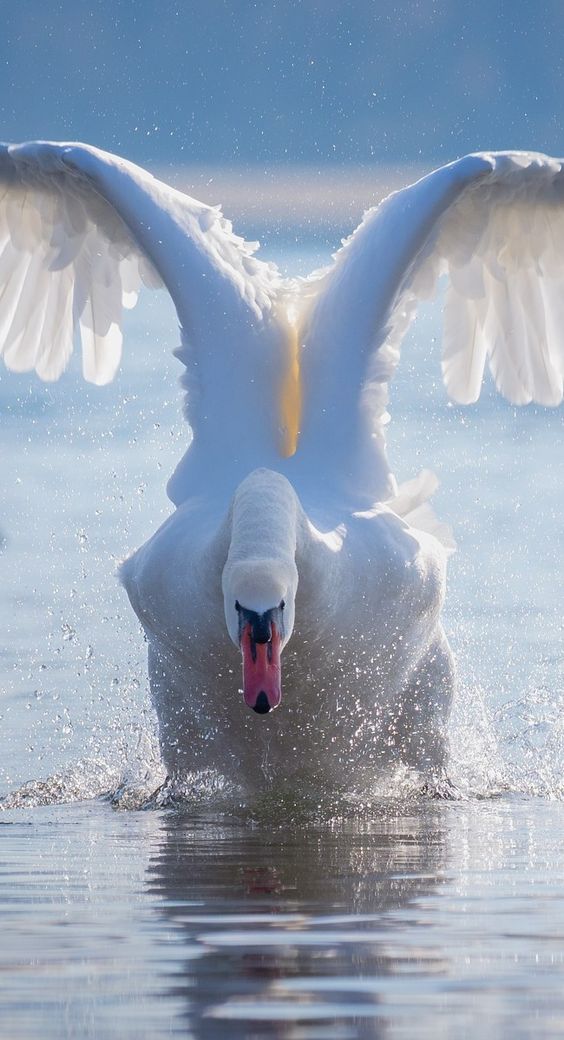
x,y
297,917
424,920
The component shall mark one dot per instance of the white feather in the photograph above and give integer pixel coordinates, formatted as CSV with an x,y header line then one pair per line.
x,y
516,222
494,225
11,288
109,227
23,338
57,331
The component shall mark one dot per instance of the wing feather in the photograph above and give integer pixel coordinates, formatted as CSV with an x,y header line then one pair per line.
x,y
57,332
61,267
81,231
519,254
493,225
12,287
463,369
98,298
23,336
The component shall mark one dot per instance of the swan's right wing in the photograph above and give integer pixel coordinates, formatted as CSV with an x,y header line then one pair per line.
x,y
493,223
68,264
80,231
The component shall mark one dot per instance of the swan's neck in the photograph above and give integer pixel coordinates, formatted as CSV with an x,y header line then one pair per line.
x,y
260,573
264,522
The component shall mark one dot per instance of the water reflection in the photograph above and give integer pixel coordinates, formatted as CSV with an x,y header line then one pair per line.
x,y
287,932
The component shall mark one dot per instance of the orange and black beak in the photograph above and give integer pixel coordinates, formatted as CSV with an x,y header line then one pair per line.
x,y
260,639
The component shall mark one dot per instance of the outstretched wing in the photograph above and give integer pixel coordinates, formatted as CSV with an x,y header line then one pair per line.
x,y
493,223
81,230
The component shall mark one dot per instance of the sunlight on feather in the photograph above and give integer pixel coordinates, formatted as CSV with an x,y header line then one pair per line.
x,y
291,397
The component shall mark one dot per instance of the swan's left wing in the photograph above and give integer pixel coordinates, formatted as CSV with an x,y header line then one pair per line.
x,y
493,223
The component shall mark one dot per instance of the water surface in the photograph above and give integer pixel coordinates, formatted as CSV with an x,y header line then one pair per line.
x,y
424,920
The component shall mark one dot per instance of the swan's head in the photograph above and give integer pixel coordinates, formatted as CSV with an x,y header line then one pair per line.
x,y
259,597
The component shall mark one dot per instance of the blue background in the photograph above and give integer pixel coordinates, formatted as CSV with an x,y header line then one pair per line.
x,y
316,82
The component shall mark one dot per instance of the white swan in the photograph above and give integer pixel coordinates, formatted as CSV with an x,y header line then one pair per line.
x,y
289,532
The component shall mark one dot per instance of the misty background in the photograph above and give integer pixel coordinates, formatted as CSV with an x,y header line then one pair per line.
x,y
343,92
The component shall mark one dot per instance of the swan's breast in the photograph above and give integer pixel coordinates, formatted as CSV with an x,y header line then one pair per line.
x,y
174,581
384,580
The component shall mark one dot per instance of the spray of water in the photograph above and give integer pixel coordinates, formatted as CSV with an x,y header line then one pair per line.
x,y
515,749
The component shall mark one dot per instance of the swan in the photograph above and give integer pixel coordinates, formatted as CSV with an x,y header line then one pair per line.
x,y
291,553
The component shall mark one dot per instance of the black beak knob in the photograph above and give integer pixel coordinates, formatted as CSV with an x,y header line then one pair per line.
x,y
261,705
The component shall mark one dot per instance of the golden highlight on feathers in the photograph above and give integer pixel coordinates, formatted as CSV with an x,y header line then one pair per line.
x,y
291,397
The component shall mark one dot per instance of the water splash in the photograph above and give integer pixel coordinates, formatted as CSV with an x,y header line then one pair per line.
x,y
86,779
516,748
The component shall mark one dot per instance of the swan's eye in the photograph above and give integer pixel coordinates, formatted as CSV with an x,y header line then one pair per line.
x,y
237,605
282,604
